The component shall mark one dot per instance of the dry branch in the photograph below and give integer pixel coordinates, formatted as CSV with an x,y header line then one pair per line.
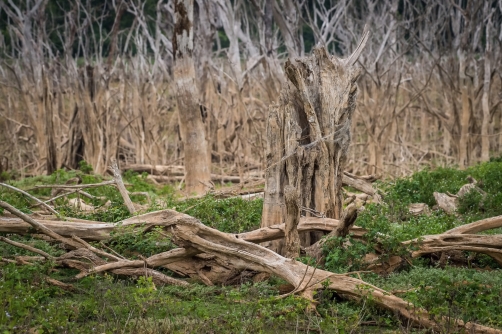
x,y
214,178
342,229
156,169
45,205
360,185
479,226
122,267
38,226
29,248
487,244
76,186
120,185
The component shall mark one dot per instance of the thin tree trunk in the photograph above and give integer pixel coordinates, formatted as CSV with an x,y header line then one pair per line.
x,y
485,139
197,169
51,163
465,117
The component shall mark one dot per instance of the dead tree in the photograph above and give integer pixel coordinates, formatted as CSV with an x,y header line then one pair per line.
x,y
308,137
197,170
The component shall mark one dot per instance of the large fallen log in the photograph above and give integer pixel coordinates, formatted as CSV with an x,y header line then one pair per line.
x,y
97,231
189,232
202,246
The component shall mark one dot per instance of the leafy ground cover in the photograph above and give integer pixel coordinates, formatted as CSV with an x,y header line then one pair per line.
x,y
470,290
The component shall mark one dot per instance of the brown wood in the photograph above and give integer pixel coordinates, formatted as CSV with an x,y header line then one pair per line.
x,y
308,136
120,185
197,166
247,256
96,231
291,237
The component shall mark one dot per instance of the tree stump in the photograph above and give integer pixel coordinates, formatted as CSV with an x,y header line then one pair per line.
x,y
308,138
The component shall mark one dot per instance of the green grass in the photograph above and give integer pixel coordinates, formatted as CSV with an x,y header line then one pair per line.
x,y
471,291
105,304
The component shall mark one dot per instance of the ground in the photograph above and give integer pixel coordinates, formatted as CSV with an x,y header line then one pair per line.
x,y
465,286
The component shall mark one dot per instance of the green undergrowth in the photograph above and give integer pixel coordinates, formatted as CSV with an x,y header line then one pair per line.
x,y
390,223
457,293
470,289
106,304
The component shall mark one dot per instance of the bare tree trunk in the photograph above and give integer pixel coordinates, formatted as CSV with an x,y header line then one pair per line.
x,y
485,139
308,139
465,117
197,169
51,163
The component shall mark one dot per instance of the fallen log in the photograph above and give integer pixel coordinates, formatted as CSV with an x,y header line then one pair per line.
x,y
367,178
156,169
478,226
97,231
189,232
490,245
214,178
242,189
233,254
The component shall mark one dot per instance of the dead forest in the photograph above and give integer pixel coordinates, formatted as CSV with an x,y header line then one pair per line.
x,y
286,100
429,91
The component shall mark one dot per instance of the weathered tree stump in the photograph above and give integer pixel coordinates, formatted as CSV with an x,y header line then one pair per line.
x,y
308,137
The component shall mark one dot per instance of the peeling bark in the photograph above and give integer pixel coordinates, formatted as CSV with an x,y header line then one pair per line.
x,y
309,135
292,239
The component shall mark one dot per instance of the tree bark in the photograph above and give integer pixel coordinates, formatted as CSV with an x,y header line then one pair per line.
x,y
197,169
485,102
292,239
465,117
51,163
308,137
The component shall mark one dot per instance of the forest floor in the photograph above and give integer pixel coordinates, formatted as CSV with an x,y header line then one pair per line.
x,y
461,285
